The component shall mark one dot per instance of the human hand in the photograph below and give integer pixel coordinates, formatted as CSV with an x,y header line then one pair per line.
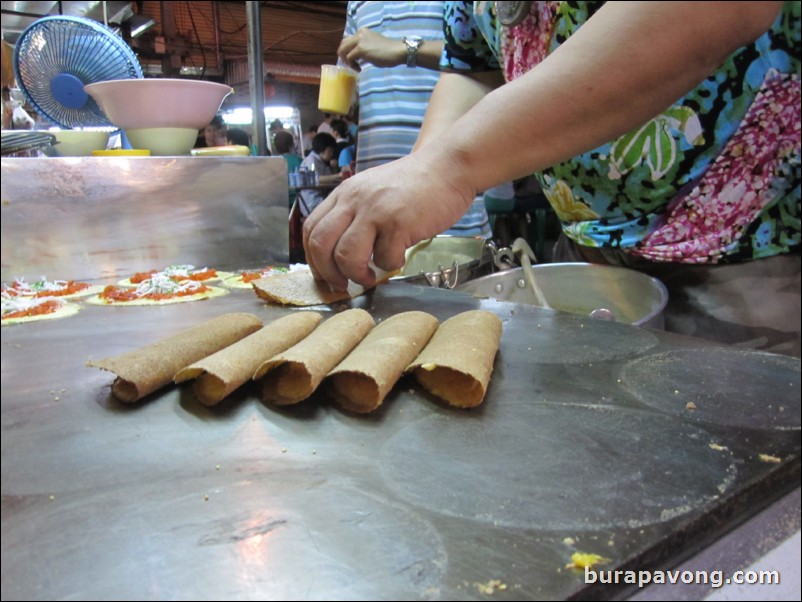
x,y
379,213
372,47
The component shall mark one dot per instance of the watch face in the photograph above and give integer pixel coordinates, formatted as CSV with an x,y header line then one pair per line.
x,y
412,43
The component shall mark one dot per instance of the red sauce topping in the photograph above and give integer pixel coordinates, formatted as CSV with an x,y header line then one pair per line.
x,y
48,307
69,289
114,293
201,275
251,276
15,290
140,276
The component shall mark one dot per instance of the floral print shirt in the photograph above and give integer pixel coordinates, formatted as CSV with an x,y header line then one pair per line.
x,y
713,178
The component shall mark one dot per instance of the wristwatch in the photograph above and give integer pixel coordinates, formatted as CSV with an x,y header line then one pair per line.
x,y
413,44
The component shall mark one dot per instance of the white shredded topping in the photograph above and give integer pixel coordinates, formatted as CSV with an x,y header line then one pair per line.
x,y
22,287
181,270
162,284
178,270
12,303
43,284
55,285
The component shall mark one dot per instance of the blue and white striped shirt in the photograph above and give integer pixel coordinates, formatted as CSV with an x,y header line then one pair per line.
x,y
393,100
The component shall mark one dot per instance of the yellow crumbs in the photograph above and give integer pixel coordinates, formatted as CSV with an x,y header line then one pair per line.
x,y
491,587
580,560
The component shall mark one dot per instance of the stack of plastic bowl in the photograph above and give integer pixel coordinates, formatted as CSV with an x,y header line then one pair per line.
x,y
160,115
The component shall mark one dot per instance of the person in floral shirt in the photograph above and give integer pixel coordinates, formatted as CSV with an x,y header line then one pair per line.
x,y
665,135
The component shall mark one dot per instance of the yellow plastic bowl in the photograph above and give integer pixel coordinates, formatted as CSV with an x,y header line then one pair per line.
x,y
79,143
163,142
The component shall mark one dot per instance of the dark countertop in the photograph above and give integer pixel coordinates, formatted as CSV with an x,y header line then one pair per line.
x,y
597,437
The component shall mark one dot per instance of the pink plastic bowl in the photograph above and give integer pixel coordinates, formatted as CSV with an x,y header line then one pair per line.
x,y
158,103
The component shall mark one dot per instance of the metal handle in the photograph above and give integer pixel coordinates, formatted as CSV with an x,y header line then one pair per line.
x,y
525,253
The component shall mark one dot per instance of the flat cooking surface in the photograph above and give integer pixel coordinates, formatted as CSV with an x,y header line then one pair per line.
x,y
585,442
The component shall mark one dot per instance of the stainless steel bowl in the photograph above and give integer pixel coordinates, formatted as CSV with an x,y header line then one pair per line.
x,y
581,288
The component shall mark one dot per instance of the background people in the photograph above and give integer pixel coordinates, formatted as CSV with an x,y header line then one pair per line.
x,y
324,127
215,132
307,139
285,146
318,161
238,136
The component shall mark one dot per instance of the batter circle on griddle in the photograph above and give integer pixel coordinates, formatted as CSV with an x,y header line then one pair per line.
x,y
720,386
575,467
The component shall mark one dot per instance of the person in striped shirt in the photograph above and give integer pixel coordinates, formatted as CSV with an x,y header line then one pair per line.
x,y
396,46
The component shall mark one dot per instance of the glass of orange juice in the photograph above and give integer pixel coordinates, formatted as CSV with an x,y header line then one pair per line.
x,y
337,85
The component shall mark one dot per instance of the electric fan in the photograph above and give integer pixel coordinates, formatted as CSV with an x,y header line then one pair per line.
x,y
55,57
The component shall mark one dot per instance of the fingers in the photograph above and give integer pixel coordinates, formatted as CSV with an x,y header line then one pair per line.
x,y
346,54
352,58
336,249
389,250
346,46
342,246
339,246
353,252
309,225
349,51
319,247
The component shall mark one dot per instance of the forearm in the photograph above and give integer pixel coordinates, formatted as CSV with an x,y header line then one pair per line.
x,y
373,47
428,54
454,95
623,67
395,54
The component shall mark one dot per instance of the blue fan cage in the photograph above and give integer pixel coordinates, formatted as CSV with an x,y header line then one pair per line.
x,y
55,57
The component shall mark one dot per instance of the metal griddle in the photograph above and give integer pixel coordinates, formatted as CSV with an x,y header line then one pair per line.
x,y
585,443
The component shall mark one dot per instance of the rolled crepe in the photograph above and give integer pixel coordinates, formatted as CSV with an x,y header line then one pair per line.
x,y
145,370
362,380
293,375
457,363
223,372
